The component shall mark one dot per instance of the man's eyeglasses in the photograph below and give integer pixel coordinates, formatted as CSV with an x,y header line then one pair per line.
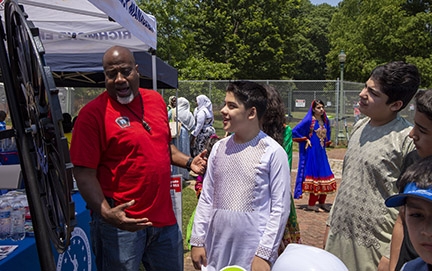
x,y
112,74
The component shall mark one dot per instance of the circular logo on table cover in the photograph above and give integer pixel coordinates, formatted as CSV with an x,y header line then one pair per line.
x,y
78,255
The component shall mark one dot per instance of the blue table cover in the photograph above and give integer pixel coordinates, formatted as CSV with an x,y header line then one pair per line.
x,y
78,255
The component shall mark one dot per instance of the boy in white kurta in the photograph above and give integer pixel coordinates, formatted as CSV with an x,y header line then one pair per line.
x,y
245,200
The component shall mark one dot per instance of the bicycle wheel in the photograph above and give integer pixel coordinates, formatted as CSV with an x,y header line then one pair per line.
x,y
37,119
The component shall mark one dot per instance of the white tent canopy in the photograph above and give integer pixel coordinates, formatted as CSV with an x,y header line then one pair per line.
x,y
130,16
78,25
76,33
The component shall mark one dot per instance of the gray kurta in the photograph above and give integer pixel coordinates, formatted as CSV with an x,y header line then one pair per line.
x,y
360,224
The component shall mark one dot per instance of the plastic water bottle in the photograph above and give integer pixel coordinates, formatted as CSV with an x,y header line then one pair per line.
x,y
5,218
17,230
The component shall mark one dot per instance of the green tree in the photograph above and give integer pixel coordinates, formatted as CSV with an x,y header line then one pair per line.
x,y
177,39
259,39
375,32
255,37
200,68
313,41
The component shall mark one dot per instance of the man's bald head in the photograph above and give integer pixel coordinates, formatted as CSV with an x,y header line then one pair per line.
x,y
121,74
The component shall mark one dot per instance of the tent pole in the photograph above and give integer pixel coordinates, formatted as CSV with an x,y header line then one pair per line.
x,y
154,69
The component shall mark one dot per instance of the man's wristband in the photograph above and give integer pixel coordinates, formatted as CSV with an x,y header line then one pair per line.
x,y
189,163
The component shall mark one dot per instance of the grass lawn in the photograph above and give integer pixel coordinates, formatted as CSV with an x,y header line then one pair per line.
x,y
189,203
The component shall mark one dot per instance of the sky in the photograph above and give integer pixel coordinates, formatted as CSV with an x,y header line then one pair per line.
x,y
330,2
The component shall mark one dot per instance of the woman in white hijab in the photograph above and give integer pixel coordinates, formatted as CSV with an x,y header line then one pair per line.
x,y
182,142
184,114
204,125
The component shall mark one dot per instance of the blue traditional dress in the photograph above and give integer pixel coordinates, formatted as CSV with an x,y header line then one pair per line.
x,y
314,173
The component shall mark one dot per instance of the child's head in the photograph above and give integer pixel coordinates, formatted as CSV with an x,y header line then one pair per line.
x,y
388,90
422,130
67,123
250,94
398,80
423,102
274,117
2,115
245,105
416,198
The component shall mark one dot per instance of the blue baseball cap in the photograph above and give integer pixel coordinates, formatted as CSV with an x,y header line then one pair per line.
x,y
411,190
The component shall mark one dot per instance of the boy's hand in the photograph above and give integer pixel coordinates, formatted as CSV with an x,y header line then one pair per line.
x,y
384,264
259,264
198,255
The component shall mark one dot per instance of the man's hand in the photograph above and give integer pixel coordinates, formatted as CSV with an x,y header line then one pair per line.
x,y
117,217
199,163
198,256
259,264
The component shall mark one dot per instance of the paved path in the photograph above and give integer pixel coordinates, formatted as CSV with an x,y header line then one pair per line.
x,y
312,224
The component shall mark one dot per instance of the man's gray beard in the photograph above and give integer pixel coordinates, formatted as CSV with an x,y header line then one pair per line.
x,y
125,100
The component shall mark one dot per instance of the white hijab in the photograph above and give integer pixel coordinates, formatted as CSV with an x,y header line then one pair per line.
x,y
184,114
204,104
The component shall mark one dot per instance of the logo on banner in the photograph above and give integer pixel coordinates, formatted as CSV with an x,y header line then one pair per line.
x,y
2,2
137,13
78,255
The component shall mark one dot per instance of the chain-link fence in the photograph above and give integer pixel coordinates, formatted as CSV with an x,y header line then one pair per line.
x,y
297,96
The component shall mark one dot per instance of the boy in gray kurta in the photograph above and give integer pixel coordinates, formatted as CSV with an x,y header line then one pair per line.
x,y
360,224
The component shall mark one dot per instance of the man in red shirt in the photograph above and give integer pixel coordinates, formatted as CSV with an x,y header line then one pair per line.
x,y
122,152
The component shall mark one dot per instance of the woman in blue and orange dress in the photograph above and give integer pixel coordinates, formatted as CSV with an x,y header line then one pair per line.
x,y
314,174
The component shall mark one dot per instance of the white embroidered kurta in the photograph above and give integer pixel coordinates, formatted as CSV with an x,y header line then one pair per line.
x,y
245,202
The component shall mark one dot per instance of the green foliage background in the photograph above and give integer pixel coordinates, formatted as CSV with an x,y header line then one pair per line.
x,y
290,39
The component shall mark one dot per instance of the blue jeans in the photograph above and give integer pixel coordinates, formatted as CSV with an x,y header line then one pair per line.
x,y
157,248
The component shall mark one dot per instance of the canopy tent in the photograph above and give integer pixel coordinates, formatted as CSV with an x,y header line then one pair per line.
x,y
85,70
75,35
